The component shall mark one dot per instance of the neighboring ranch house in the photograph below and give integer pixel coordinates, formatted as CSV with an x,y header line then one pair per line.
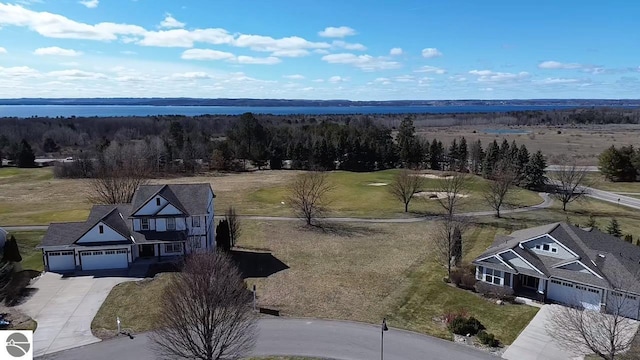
x,y
161,221
562,263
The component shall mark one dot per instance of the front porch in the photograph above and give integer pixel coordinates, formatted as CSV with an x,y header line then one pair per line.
x,y
529,287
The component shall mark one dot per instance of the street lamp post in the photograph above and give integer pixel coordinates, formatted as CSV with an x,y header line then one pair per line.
x,y
383,329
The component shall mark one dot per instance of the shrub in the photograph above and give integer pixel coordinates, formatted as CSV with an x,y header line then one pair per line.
x,y
503,293
464,276
450,315
463,326
468,281
487,338
456,276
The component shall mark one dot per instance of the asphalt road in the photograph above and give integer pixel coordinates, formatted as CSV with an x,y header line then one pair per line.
x,y
315,338
614,198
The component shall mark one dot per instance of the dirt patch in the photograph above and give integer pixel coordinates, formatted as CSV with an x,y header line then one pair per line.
x,y
378,184
18,320
434,176
436,195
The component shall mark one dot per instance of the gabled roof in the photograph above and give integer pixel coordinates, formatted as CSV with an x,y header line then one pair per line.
x,y
612,260
191,199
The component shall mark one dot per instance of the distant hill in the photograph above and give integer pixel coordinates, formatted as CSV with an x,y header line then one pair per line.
x,y
315,103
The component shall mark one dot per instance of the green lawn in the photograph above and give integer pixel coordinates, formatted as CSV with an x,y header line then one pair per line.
x,y
353,195
599,182
27,242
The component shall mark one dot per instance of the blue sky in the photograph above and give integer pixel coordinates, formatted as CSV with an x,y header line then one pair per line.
x,y
309,49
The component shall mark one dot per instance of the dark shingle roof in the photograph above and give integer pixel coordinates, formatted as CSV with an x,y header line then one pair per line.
x,y
615,261
60,234
192,199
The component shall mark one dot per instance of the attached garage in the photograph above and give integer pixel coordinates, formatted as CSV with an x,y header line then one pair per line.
x,y
627,305
573,294
104,259
61,260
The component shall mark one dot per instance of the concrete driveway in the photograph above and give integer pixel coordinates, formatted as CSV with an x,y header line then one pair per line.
x,y
535,344
64,308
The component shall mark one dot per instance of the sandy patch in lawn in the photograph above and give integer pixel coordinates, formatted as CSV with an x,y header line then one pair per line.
x,y
378,184
437,195
433,176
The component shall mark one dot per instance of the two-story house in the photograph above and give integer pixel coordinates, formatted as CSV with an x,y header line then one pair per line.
x,y
161,221
562,263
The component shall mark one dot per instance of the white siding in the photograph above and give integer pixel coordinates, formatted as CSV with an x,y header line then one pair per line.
x,y
542,242
515,261
150,208
170,210
94,235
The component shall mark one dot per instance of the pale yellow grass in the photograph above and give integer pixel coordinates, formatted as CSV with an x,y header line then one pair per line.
x,y
349,272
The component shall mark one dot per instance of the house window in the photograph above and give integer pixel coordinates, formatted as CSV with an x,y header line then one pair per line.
x,y
157,201
545,247
196,243
172,248
493,276
195,221
101,229
171,223
144,223
538,246
554,250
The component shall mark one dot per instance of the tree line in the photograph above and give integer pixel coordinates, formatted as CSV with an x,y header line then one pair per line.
x,y
620,164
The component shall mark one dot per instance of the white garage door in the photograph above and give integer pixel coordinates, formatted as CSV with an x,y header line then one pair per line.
x,y
574,294
627,305
61,260
104,259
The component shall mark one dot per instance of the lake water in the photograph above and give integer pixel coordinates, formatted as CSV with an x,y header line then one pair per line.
x,y
25,111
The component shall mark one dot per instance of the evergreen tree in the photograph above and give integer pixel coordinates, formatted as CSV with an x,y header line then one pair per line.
x,y
26,157
614,228
477,157
463,155
504,149
50,146
454,155
535,177
223,237
513,152
521,161
591,222
618,165
406,140
11,252
491,158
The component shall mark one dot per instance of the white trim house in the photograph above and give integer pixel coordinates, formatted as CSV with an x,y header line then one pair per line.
x,y
566,264
161,221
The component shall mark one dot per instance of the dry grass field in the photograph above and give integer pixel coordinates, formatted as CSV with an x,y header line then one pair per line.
x,y
584,143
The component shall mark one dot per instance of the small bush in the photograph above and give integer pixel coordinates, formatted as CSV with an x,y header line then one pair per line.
x,y
468,281
456,276
503,293
463,326
487,339
450,315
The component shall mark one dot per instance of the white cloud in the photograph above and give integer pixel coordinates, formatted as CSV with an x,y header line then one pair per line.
x,y
492,76
194,75
294,77
557,81
291,53
349,46
395,51
58,26
75,74
363,62
558,65
206,54
431,69
404,78
430,53
337,79
267,43
3,50
170,22
18,71
488,89
337,32
185,38
91,4
318,80
271,60
56,51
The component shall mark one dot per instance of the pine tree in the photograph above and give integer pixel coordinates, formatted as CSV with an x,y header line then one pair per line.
x,y
504,149
26,157
223,238
535,177
11,252
435,151
490,159
477,157
463,155
406,140
614,228
454,155
521,161
591,222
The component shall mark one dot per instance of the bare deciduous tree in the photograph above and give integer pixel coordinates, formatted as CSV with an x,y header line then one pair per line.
x,y
405,185
570,181
497,191
608,335
120,171
207,312
454,189
308,195
448,241
235,228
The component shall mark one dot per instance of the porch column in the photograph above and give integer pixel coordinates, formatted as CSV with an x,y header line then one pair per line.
x,y
542,285
158,250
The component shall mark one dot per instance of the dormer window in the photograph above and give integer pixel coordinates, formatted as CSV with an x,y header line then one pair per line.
x,y
545,247
158,201
101,229
144,224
